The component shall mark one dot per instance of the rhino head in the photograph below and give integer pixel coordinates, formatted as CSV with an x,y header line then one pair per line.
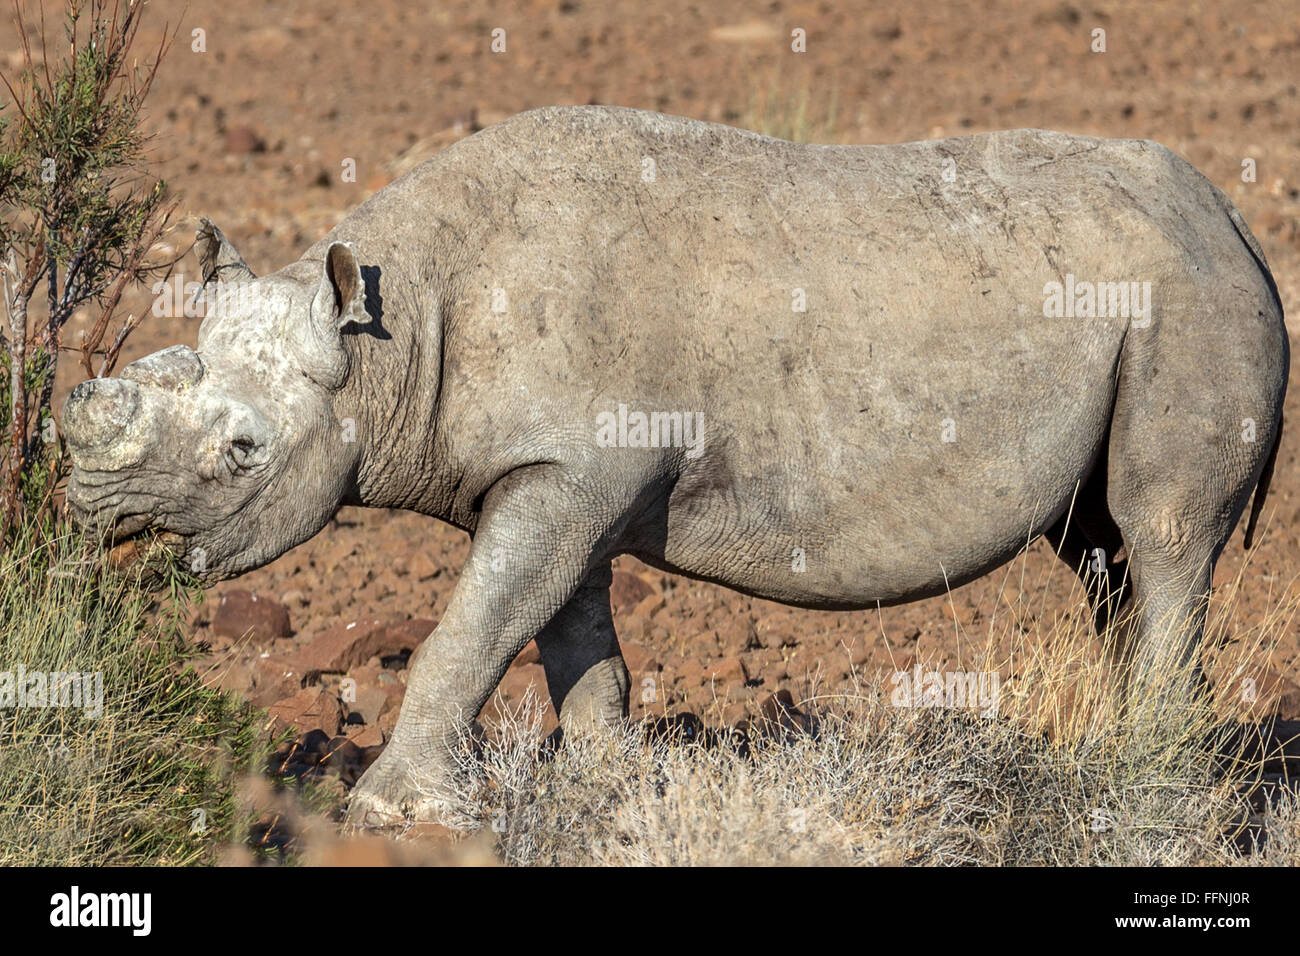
x,y
229,455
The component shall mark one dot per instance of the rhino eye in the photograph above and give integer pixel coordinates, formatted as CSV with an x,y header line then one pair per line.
x,y
239,453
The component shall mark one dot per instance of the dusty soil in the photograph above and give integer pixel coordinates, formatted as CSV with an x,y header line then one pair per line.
x,y
255,131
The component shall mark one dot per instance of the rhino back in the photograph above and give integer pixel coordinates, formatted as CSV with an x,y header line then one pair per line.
x,y
849,321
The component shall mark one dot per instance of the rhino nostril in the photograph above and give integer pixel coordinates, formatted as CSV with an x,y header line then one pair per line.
x,y
98,411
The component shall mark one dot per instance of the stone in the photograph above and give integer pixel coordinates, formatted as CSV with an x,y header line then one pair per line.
x,y
228,674
779,712
349,645
520,677
649,606
728,671
367,736
241,613
1269,693
627,591
638,659
632,629
241,140
422,567
275,677
295,597
312,747
311,709
371,702
342,752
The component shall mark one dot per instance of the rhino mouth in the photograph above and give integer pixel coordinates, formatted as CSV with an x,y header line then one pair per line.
x,y
130,540
124,552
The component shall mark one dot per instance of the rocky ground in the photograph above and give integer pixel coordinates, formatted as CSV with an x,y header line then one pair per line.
x,y
260,114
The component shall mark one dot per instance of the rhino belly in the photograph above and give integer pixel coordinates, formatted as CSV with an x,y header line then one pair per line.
x,y
888,472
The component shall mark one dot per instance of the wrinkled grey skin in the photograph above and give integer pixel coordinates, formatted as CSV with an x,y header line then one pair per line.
x,y
823,430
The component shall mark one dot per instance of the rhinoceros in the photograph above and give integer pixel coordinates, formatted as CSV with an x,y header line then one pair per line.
x,y
836,377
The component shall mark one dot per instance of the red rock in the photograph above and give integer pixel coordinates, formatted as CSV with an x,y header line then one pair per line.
x,y
1288,703
366,736
349,645
312,708
859,652
520,677
627,591
734,713
229,675
312,747
422,567
415,630
729,670
366,676
371,702
342,751
409,635
276,676
778,705
377,680
779,710
414,659
239,613
529,655
638,659
649,606
632,629
1268,694
241,140
736,631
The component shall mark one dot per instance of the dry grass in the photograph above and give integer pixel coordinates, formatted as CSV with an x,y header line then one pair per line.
x,y
875,785
147,779
791,112
1057,777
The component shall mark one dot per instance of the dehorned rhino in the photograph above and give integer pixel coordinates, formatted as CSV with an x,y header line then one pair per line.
x,y
831,376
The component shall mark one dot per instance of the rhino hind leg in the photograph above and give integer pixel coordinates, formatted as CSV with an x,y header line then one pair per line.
x,y
1178,480
1161,668
585,673
1148,605
1143,535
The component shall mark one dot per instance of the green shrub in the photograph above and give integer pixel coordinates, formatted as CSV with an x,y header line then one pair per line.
x,y
151,779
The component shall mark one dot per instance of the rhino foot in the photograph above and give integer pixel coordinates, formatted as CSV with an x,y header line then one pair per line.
x,y
397,791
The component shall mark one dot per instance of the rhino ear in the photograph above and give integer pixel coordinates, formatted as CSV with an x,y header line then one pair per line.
x,y
341,297
218,259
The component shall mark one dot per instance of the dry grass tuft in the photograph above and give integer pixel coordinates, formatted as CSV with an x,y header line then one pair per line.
x,y
1057,776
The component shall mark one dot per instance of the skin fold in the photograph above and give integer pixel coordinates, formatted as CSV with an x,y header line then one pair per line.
x,y
879,407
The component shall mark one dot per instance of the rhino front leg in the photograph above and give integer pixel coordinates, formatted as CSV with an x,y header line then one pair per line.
x,y
535,542
584,665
